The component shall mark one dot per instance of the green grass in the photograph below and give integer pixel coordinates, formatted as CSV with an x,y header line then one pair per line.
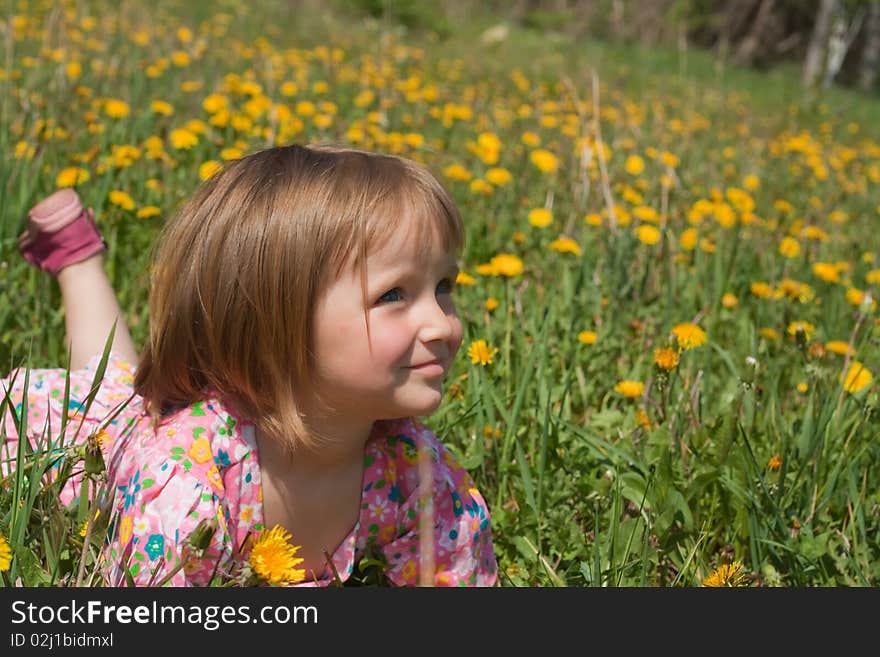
x,y
581,491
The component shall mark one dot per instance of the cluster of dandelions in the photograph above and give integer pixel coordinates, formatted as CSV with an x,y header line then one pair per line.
x,y
272,559
684,336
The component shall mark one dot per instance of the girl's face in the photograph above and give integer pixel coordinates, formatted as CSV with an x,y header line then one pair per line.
x,y
412,320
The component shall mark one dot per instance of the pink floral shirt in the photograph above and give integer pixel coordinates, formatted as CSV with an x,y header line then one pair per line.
x,y
203,463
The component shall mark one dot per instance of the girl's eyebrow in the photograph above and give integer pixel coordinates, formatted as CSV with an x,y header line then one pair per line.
x,y
403,272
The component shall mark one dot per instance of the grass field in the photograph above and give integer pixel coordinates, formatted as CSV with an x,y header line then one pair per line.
x,y
671,263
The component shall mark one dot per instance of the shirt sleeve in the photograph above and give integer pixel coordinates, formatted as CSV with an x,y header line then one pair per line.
x,y
166,487
458,551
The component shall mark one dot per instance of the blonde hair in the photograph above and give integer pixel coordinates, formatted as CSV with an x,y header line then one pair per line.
x,y
240,266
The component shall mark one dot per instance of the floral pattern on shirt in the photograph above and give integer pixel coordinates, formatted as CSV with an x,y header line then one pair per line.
x,y
202,462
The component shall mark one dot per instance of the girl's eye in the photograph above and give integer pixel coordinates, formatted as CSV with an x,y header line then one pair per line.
x,y
388,296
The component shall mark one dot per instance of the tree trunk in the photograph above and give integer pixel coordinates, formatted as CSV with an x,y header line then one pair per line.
x,y
842,35
818,42
748,47
871,49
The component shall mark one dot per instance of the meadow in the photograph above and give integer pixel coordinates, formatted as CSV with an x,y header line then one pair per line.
x,y
668,285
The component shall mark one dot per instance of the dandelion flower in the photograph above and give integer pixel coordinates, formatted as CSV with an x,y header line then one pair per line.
x,y
648,234
761,290
273,558
774,463
209,168
162,107
540,217
498,176
805,328
857,377
565,245
789,247
546,161
666,358
122,200
688,239
457,172
506,264
491,304
5,554
183,139
839,347
116,109
689,336
148,211
629,389
729,301
727,574
71,176
587,337
481,352
634,165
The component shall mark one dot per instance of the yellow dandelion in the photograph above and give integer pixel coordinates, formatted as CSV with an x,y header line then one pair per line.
x,y
505,264
588,337
727,574
465,279
209,168
761,290
647,234
457,172
480,186
689,336
775,462
666,358
669,159
183,139
789,247
856,378
688,239
498,176
858,297
839,347
800,327
729,301
162,107
634,165
122,199
540,217
5,554
273,558
148,211
565,245
481,352
215,102
530,139
827,271
116,109
769,333
71,176
629,389
491,304
546,161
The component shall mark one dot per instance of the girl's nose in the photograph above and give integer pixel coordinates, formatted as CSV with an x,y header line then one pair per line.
x,y
437,320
